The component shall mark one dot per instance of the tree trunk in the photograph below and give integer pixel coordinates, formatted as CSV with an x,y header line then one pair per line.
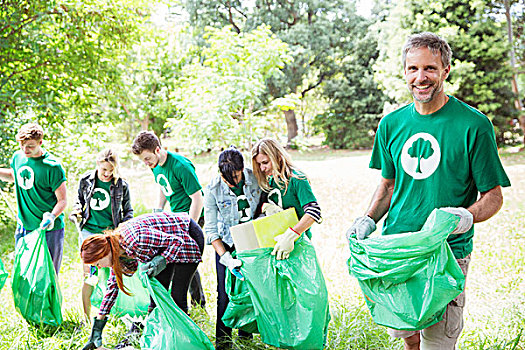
x,y
291,125
517,101
144,123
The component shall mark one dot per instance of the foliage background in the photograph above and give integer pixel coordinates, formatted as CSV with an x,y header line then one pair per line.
x,y
207,74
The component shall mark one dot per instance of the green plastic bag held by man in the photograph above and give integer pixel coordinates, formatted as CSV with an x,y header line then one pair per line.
x,y
35,289
392,268
167,326
289,296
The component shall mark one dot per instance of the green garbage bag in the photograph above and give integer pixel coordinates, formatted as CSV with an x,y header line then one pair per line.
x,y
239,313
3,274
135,305
167,326
408,278
289,296
35,289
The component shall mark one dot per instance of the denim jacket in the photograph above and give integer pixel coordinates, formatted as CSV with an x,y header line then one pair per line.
x,y
121,209
220,206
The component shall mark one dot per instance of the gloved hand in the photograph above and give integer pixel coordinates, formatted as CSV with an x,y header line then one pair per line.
x,y
75,216
466,219
270,209
362,227
95,340
155,266
47,221
285,244
157,210
232,264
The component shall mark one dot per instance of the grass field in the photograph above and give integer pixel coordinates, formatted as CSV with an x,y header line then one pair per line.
x,y
343,184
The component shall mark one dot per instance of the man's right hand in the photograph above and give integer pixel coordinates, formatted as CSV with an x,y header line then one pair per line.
x,y
362,227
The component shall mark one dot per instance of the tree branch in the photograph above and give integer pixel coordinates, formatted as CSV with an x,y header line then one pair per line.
x,y
230,17
22,71
321,78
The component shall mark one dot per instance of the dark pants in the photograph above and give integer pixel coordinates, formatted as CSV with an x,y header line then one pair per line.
x,y
223,334
196,290
179,275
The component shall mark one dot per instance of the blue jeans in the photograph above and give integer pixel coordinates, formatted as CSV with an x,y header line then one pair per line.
x,y
55,243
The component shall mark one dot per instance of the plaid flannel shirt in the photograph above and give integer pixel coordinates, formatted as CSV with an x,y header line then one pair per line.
x,y
147,236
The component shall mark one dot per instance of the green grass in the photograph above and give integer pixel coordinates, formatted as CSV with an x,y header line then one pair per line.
x,y
495,311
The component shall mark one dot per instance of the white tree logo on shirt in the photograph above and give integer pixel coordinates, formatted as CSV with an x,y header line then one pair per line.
x,y
100,199
274,196
164,185
25,177
420,156
246,213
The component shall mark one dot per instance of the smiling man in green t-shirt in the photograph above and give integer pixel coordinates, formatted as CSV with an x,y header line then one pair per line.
x,y
40,184
436,152
178,184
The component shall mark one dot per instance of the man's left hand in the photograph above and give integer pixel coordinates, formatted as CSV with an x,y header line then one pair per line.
x,y
466,219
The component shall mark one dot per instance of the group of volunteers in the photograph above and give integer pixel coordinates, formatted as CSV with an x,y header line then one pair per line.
x,y
436,152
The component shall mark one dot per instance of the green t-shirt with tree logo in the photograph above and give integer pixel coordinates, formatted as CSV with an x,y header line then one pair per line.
x,y
438,160
100,217
245,213
36,180
178,180
298,194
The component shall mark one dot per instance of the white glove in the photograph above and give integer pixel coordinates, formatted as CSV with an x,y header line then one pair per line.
x,y
47,221
75,216
228,261
466,219
270,209
362,227
285,244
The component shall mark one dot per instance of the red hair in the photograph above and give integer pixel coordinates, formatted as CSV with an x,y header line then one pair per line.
x,y
97,247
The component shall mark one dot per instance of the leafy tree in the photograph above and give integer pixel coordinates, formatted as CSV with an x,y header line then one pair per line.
x,y
148,75
56,56
355,102
98,196
317,31
420,149
219,96
480,74
25,175
164,183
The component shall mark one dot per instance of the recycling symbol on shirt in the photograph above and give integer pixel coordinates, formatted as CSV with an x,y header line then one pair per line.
x,y
164,185
420,156
100,199
274,196
245,214
25,177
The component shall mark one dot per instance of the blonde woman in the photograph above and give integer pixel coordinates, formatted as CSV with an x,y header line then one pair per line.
x,y
287,187
103,202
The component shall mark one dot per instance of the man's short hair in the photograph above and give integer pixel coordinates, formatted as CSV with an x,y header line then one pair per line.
x,y
431,41
145,141
30,131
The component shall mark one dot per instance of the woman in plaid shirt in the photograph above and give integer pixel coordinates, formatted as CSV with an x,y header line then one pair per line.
x,y
168,244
